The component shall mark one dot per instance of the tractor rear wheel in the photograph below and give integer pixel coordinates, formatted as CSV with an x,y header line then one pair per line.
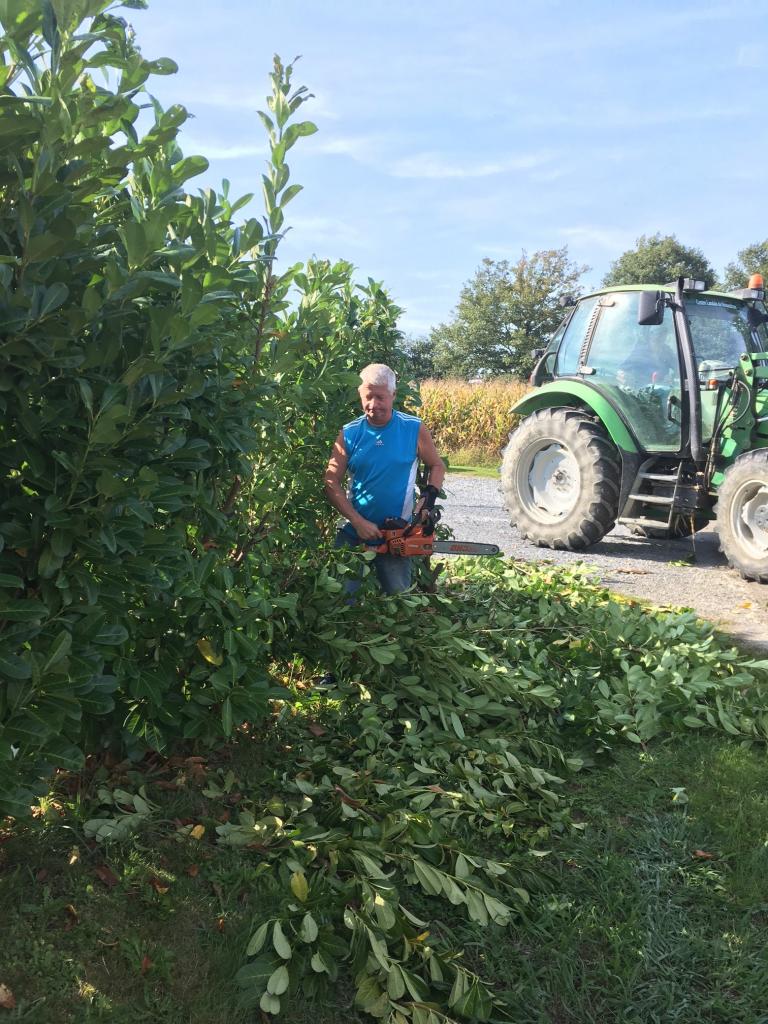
x,y
560,476
742,515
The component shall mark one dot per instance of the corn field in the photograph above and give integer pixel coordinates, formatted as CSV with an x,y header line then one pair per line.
x,y
471,419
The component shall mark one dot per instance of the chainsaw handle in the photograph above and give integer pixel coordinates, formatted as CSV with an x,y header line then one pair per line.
x,y
380,548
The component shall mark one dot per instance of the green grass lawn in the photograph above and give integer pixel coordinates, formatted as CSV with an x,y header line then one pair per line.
x,y
654,909
487,471
474,462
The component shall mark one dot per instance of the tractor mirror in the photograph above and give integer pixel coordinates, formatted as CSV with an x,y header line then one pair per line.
x,y
543,370
755,317
650,309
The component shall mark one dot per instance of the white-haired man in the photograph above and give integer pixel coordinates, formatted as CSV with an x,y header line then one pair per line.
x,y
381,451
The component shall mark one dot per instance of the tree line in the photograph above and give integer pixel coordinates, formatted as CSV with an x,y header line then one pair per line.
x,y
510,309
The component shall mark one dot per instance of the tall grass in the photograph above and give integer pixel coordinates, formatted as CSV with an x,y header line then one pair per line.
x,y
473,420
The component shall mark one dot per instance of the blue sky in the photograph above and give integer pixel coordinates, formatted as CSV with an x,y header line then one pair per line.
x,y
453,131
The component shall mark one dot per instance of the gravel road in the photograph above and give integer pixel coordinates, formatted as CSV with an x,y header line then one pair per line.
x,y
642,568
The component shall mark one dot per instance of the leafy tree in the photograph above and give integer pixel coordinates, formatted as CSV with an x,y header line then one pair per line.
x,y
657,259
504,313
420,358
751,260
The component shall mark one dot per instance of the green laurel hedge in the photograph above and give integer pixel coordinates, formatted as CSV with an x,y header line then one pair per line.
x,y
165,411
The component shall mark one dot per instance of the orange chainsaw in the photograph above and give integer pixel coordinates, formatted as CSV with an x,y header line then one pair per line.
x,y
410,540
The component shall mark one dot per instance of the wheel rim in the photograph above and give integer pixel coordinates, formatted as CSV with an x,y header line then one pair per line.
x,y
548,480
749,517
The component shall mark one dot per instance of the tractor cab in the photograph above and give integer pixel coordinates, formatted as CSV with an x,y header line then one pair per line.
x,y
658,390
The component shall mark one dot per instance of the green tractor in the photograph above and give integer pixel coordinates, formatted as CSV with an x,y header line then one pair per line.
x,y
651,410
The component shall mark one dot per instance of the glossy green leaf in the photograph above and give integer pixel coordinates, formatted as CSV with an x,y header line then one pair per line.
x,y
279,941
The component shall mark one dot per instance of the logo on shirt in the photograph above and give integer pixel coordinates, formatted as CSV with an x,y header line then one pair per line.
x,y
379,443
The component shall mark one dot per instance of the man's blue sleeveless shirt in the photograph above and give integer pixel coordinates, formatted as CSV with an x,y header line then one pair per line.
x,y
382,464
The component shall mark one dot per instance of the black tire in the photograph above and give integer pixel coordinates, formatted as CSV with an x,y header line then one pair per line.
x,y
560,476
742,515
682,526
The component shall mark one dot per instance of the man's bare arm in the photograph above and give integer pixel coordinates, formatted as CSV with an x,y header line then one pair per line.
x,y
334,491
429,456
435,469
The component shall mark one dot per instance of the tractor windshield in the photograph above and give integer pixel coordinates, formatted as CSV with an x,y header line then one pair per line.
x,y
721,332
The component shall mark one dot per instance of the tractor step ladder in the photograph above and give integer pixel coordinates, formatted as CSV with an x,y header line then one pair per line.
x,y
663,501
653,499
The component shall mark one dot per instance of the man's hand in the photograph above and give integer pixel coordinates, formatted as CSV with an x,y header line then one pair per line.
x,y
426,503
366,530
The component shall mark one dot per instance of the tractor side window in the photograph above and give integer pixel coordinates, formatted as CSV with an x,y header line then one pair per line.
x,y
638,368
575,333
721,332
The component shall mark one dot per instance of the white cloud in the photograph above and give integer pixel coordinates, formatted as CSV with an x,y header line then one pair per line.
x,y
214,151
414,325
611,239
623,117
752,55
364,149
372,150
329,231
436,165
498,252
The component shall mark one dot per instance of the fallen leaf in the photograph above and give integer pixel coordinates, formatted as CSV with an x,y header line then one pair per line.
x,y
146,964
436,789
198,832
703,855
316,730
197,773
73,917
158,886
299,886
41,875
745,604
220,924
7,998
206,649
193,870
74,856
106,875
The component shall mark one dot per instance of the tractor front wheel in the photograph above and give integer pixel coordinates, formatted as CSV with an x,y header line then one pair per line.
x,y
560,476
742,515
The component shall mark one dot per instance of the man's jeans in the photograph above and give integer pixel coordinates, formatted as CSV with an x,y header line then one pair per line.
x,y
392,571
